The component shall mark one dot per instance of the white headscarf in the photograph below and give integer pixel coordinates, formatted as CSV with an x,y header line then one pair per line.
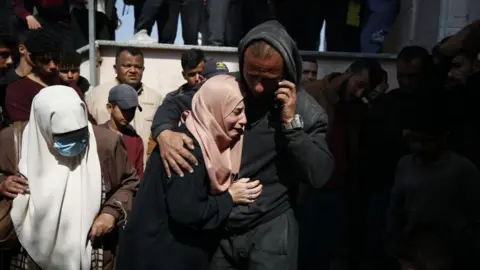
x,y
53,222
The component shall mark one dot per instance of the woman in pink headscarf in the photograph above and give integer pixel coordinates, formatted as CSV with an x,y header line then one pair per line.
x,y
176,222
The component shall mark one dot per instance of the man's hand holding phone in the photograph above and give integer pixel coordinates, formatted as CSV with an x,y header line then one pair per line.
x,y
287,95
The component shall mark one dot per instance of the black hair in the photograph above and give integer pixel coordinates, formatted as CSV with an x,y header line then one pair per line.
x,y
372,66
22,37
19,40
410,53
70,60
191,58
43,43
131,50
8,40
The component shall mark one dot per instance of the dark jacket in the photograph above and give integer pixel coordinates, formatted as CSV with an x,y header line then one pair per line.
x,y
280,159
83,84
168,114
326,92
121,181
183,89
175,222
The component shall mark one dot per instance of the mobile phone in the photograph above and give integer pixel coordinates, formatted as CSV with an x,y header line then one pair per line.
x,y
271,84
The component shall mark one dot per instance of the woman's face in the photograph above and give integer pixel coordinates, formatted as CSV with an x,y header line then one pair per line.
x,y
235,122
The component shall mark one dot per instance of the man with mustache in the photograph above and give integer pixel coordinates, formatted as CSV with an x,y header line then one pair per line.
x,y
129,67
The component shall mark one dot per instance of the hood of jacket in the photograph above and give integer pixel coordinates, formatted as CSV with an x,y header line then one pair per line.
x,y
276,35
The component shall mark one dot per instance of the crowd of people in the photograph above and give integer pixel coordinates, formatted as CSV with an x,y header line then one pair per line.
x,y
351,25
265,168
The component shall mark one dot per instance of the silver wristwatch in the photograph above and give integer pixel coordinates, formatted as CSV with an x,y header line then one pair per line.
x,y
296,123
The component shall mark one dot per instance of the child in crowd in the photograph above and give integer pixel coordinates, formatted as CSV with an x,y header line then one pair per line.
x,y
122,103
435,187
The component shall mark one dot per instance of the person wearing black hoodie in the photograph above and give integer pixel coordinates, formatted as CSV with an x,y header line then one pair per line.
x,y
284,145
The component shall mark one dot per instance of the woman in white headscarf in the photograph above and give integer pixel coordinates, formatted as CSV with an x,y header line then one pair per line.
x,y
74,186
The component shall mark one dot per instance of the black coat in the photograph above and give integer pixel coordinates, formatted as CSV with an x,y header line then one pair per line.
x,y
175,223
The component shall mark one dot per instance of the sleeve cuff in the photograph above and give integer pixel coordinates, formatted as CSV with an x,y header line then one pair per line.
x,y
225,203
157,130
111,211
293,134
2,178
23,14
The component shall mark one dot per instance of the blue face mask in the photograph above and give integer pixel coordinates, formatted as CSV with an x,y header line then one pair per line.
x,y
70,147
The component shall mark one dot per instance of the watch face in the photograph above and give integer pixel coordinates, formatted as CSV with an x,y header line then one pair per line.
x,y
300,120
297,122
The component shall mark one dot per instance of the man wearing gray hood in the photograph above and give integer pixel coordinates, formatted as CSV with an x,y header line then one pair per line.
x,y
284,144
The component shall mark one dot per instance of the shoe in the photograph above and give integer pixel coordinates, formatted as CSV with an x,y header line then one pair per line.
x,y
143,37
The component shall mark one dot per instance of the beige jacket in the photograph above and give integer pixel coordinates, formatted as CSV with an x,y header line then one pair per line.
x,y
149,99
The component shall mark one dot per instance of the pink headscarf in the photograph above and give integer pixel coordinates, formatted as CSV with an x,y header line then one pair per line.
x,y
214,101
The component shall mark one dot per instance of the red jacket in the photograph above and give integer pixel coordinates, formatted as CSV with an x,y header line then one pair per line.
x,y
19,97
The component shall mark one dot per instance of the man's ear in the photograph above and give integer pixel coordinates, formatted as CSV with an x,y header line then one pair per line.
x,y
21,49
116,71
109,107
183,75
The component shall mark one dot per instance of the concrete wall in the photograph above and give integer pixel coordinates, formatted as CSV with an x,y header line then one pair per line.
x,y
163,69
425,22
456,15
417,24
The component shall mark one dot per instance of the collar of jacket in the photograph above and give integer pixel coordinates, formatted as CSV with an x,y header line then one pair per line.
x,y
139,90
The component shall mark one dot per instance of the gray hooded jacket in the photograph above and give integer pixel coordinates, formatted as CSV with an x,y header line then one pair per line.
x,y
279,158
